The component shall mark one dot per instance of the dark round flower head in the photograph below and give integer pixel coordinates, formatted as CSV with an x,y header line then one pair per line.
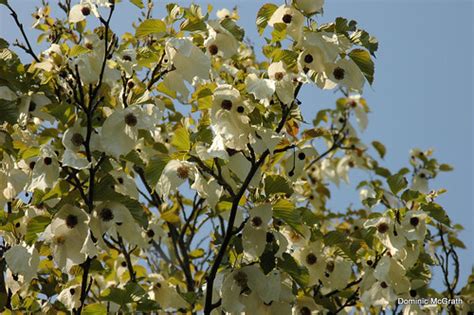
x,y
150,233
279,76
384,285
301,156
226,104
183,172
382,227
213,49
339,73
85,11
256,221
311,259
131,120
305,311
32,106
77,139
241,278
287,18
308,58
47,160
72,291
106,214
414,221
71,221
240,109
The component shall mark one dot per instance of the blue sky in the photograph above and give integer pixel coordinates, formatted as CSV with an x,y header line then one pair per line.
x,y
422,95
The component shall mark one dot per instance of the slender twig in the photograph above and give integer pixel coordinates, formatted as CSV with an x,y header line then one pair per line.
x,y
27,49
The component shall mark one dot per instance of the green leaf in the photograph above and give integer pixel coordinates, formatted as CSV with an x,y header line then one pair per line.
x,y
131,293
193,24
437,212
298,273
364,39
181,139
149,27
78,50
285,210
380,148
264,15
3,44
233,28
396,183
35,226
334,237
276,184
95,309
9,111
197,253
445,168
5,2
138,3
364,62
155,167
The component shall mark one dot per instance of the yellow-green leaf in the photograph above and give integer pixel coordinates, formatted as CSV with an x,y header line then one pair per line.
x,y
149,27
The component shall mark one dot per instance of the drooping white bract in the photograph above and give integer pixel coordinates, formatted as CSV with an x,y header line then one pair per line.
x,y
165,294
388,232
254,234
46,169
207,189
220,42
188,63
344,73
30,107
414,225
75,152
291,18
245,288
71,297
81,11
392,273
174,174
261,89
66,235
119,132
114,219
12,180
23,260
312,256
284,82
420,181
337,274
228,118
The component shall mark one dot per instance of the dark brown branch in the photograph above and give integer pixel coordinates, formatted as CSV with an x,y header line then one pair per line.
x,y
27,49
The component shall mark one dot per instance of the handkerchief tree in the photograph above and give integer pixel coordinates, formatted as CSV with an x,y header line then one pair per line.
x,y
169,169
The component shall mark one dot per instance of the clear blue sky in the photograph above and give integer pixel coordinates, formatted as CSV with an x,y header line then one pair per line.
x,y
422,95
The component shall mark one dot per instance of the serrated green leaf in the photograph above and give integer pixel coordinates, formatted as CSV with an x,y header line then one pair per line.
x,y
334,237
233,28
298,273
276,184
149,27
380,148
285,210
155,167
35,226
437,212
264,15
364,62
181,139
396,183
